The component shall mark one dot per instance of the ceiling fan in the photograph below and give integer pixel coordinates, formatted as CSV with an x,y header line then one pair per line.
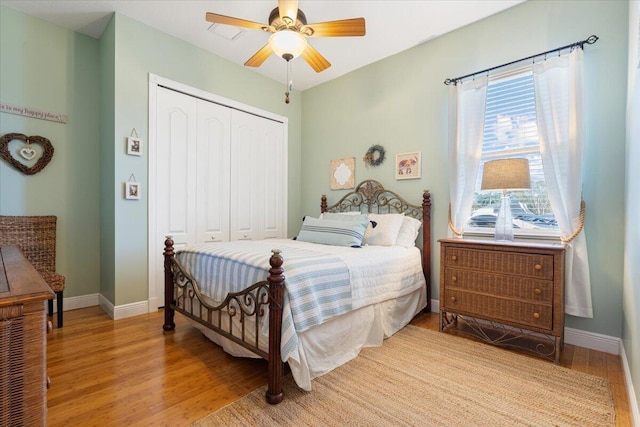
x,y
290,32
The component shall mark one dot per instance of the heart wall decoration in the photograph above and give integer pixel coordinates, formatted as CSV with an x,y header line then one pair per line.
x,y
27,152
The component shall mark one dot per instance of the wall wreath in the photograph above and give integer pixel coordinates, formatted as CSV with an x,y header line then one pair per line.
x,y
27,152
374,155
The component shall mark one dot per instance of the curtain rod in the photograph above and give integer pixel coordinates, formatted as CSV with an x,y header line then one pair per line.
x,y
590,40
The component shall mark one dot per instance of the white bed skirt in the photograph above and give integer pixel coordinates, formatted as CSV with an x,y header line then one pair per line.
x,y
324,347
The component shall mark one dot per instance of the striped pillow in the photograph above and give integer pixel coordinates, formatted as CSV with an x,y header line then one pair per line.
x,y
333,232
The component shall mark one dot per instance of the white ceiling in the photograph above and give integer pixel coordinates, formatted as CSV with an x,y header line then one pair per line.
x,y
392,26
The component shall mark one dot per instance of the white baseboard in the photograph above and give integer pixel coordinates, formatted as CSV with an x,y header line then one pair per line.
x,y
592,340
73,303
631,394
123,311
92,300
154,303
107,306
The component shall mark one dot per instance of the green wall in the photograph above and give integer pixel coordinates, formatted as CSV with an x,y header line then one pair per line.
x,y
48,68
401,103
107,163
631,292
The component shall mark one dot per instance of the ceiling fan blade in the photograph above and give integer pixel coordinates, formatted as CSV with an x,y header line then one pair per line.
x,y
344,28
237,22
314,59
259,57
288,8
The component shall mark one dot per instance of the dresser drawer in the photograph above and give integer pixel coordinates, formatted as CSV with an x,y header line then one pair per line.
x,y
520,287
500,309
522,264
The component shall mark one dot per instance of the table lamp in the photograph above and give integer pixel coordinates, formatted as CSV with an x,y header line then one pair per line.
x,y
505,175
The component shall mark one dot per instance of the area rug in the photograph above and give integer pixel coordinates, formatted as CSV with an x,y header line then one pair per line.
x,y
421,377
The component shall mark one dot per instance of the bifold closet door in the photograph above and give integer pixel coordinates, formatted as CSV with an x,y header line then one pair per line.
x,y
193,157
257,177
176,158
213,172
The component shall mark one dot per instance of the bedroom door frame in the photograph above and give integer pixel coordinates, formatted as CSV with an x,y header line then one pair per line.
x,y
154,256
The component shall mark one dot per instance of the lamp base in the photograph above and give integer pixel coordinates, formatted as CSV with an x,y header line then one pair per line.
x,y
504,221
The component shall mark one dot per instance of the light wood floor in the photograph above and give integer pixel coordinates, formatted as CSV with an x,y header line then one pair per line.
x,y
128,373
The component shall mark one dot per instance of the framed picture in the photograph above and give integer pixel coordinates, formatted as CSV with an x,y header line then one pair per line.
x,y
342,173
132,190
134,146
408,165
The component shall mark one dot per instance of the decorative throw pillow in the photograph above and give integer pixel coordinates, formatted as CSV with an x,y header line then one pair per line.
x,y
386,231
333,232
408,232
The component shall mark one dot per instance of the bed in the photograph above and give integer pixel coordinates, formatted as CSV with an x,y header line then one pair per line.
x,y
242,298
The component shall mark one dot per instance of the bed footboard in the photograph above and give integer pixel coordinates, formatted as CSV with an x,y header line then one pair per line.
x,y
182,294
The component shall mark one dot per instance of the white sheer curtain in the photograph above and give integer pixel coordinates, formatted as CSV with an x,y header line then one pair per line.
x,y
467,103
561,129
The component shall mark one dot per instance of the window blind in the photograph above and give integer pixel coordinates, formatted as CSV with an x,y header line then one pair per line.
x,y
510,130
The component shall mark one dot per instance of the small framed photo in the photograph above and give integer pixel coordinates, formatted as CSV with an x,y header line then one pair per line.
x,y
134,146
408,165
132,190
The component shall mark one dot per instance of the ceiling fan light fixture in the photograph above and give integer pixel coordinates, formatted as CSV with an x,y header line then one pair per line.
x,y
288,44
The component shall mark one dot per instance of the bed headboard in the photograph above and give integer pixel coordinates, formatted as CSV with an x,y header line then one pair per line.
x,y
371,197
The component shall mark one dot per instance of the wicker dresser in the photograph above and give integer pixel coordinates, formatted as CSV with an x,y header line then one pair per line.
x,y
23,325
508,294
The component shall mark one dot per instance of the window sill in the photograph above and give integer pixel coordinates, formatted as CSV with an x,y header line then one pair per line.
x,y
518,236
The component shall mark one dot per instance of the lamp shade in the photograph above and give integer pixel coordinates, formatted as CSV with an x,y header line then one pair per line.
x,y
506,174
288,44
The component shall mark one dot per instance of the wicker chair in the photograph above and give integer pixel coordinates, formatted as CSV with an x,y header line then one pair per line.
x,y
35,236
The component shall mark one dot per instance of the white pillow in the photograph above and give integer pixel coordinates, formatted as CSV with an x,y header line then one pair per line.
x,y
408,232
336,215
385,233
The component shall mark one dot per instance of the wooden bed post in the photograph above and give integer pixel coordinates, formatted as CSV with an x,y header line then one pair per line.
x,y
426,244
323,203
276,298
169,324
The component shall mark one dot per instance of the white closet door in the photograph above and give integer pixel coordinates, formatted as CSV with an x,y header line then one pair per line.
x,y
213,168
257,177
176,176
272,200
246,159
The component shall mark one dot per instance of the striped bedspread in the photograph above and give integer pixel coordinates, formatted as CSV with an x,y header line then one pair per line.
x,y
317,283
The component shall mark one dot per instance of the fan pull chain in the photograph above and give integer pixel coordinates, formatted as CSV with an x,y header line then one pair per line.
x,y
289,84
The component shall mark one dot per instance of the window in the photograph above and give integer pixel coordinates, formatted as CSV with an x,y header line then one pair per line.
x,y
510,130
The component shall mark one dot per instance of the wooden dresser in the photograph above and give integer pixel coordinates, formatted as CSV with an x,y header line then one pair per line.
x,y
509,294
23,355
